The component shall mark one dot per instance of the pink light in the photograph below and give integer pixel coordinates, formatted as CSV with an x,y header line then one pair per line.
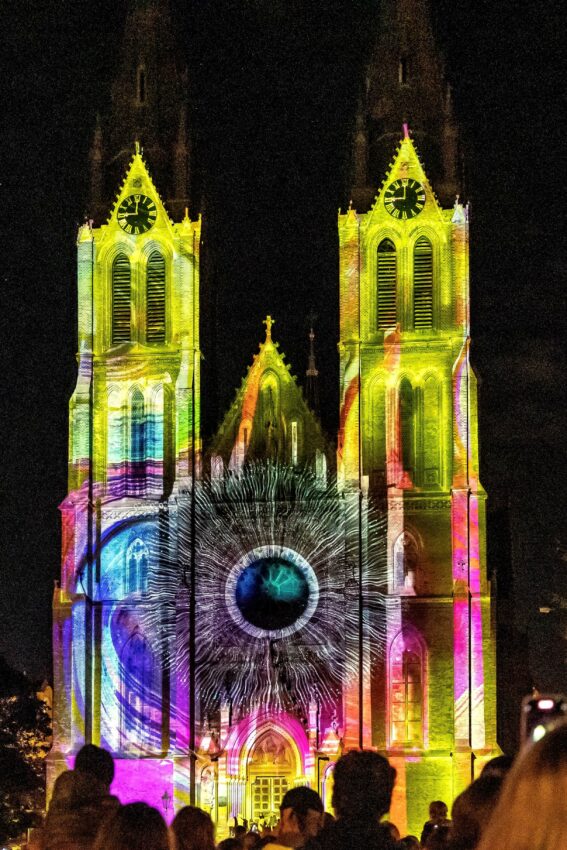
x,y
545,704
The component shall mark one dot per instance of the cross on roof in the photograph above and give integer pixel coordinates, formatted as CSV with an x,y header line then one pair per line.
x,y
268,321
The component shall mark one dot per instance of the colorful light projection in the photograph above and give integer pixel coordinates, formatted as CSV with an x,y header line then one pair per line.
x,y
272,618
408,430
271,592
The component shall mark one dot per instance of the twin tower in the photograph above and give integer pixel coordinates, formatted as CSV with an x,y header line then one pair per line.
x,y
233,617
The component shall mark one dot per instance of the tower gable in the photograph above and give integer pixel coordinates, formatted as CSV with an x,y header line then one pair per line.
x,y
132,214
405,167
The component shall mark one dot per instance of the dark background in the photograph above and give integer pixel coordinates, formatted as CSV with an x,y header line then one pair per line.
x,y
273,92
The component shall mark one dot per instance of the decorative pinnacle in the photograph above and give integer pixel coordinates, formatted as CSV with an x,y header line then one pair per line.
x,y
268,321
311,368
406,130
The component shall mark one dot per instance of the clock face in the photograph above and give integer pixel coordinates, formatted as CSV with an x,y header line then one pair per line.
x,y
136,214
404,198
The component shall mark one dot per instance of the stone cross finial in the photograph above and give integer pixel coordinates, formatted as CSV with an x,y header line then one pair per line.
x,y
268,321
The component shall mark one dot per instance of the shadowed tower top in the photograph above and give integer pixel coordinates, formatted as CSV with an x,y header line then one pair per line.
x,y
405,83
148,101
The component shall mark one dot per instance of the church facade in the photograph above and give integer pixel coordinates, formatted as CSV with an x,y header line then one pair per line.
x,y
233,616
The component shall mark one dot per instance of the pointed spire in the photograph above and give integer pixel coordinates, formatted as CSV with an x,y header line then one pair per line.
x,y
149,87
95,156
181,158
312,373
406,84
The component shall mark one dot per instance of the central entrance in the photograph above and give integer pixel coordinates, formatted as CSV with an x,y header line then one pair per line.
x,y
272,770
267,794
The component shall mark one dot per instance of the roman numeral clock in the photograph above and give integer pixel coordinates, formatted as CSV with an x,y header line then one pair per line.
x,y
136,214
404,198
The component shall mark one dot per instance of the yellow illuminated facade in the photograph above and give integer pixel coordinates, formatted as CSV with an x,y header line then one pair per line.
x,y
231,619
408,436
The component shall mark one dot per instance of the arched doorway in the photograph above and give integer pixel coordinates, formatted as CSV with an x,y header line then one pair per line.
x,y
272,770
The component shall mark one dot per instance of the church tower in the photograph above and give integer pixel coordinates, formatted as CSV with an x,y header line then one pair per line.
x,y
408,435
148,101
405,83
134,449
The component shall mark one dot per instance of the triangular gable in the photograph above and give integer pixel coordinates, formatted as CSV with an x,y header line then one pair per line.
x,y
260,422
138,202
406,166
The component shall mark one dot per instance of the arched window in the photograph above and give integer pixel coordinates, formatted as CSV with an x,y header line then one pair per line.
x,y
140,696
154,454
406,555
406,426
155,298
168,440
115,439
137,560
406,690
386,284
422,284
137,463
378,429
121,299
431,433
270,407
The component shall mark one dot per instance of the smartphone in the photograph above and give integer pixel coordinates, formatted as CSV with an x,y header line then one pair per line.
x,y
540,715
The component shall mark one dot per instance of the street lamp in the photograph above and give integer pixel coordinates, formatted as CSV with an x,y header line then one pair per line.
x,y
166,800
319,760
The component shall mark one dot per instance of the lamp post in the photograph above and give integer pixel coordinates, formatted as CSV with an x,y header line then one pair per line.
x,y
319,760
166,800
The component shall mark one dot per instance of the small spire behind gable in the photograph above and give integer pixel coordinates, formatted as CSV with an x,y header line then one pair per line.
x,y
312,373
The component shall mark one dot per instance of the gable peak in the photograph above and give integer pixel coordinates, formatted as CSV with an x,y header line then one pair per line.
x,y
138,182
405,165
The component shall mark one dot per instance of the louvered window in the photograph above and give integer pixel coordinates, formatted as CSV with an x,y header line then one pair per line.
x,y
121,294
155,298
423,284
387,274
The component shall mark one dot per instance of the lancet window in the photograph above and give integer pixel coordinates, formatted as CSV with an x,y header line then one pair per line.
x,y
407,426
386,284
155,298
407,668
137,459
121,299
137,560
139,696
422,284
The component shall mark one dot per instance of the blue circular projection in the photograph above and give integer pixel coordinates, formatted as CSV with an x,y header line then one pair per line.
x,y
272,593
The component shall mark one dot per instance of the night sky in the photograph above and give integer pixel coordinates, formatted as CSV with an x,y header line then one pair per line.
x,y
274,87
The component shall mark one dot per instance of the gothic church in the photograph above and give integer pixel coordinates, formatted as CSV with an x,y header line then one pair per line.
x,y
234,616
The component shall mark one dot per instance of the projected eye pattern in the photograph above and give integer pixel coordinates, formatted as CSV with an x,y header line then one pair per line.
x,y
272,620
271,592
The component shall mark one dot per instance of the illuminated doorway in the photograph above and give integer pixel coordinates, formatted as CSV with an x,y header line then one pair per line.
x,y
272,770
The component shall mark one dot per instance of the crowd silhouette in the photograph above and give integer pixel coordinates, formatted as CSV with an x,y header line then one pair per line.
x,y
520,805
